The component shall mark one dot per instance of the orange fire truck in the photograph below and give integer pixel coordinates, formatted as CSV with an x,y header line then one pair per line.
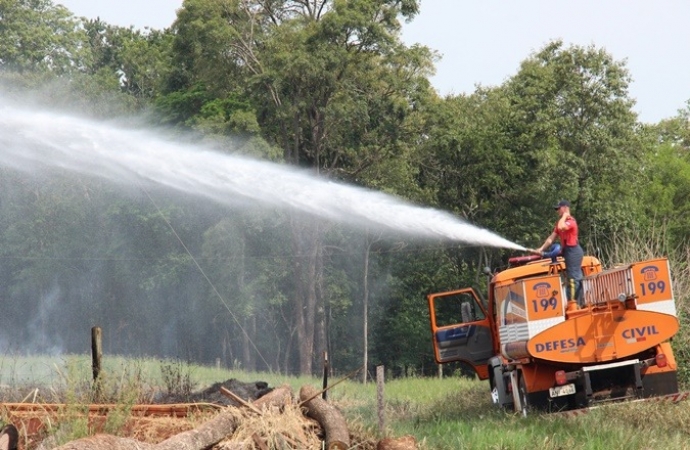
x,y
539,351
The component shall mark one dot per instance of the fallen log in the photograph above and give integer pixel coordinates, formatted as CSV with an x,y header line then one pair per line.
x,y
207,434
328,416
102,442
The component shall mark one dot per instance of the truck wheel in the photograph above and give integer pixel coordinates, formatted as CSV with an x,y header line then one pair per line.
x,y
494,390
499,393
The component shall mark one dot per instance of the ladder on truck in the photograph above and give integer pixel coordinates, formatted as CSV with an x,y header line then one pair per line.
x,y
598,292
613,284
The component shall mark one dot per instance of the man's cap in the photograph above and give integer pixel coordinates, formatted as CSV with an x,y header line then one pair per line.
x,y
562,203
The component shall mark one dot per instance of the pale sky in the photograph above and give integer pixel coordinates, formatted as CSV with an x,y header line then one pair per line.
x,y
483,42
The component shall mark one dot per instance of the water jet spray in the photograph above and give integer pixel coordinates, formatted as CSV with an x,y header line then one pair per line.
x,y
51,141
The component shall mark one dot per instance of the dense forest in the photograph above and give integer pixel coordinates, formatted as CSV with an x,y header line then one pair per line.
x,y
327,87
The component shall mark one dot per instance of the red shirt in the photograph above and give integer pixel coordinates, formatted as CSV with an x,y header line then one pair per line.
x,y
568,236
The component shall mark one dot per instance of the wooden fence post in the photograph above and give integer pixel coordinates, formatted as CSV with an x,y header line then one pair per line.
x,y
379,397
96,356
325,375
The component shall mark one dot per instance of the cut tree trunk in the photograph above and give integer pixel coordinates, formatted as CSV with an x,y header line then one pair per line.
x,y
328,416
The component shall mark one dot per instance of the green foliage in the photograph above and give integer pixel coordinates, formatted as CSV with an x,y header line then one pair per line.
x,y
680,266
88,66
320,82
180,107
573,125
139,60
471,165
676,130
667,168
38,36
562,127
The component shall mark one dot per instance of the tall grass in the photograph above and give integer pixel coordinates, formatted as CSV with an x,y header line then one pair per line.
x,y
456,413
69,377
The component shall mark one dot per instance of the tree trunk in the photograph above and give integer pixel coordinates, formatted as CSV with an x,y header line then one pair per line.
x,y
248,332
306,244
321,333
365,302
328,416
104,442
365,312
299,293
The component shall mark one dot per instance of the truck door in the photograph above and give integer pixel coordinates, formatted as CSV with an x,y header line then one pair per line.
x,y
461,329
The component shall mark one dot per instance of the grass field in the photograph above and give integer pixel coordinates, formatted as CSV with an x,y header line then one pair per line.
x,y
457,414
448,414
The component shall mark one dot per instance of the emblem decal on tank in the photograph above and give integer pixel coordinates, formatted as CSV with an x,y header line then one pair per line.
x,y
649,272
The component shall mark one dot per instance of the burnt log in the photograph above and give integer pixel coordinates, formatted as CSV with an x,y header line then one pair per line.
x,y
328,416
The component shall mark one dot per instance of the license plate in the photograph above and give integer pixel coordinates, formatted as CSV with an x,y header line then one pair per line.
x,y
559,391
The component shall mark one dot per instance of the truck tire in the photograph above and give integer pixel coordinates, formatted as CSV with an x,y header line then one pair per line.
x,y
499,393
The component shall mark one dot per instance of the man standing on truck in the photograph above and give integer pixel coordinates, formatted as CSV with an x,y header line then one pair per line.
x,y
566,231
